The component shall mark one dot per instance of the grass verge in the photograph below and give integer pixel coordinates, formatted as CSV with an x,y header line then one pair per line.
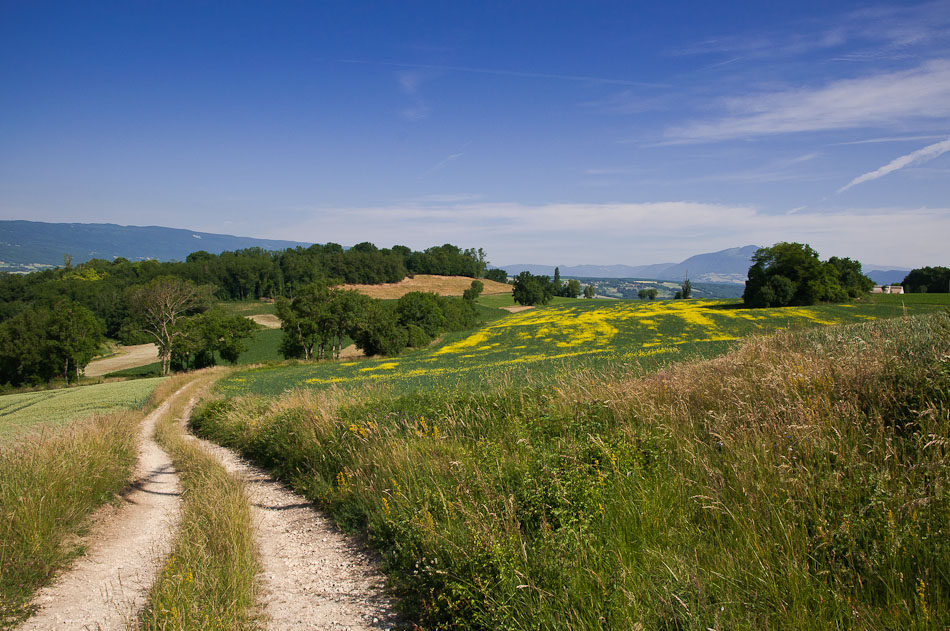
x,y
801,481
51,482
208,582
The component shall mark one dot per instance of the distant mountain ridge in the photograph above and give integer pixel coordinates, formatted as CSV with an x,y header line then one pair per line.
x,y
725,266
32,245
887,276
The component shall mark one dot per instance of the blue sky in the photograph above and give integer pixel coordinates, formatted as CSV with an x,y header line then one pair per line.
x,y
545,132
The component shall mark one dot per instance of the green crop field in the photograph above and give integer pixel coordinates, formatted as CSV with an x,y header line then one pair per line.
x,y
20,412
247,307
574,334
507,300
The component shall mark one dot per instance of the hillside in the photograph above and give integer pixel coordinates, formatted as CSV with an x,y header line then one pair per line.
x,y
31,245
584,445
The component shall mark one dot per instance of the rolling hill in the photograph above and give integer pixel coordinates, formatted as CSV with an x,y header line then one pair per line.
x,y
32,245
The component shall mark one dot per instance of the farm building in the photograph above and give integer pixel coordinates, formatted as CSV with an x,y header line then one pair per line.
x,y
888,289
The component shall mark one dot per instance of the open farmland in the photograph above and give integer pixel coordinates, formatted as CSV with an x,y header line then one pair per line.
x,y
572,334
20,412
442,285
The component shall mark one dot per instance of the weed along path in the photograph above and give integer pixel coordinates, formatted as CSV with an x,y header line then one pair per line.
x,y
313,576
105,588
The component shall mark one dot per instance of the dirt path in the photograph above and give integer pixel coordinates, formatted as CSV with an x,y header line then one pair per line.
x,y
517,308
266,320
314,577
125,357
109,585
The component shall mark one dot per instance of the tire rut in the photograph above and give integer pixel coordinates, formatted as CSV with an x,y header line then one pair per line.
x,y
104,589
313,576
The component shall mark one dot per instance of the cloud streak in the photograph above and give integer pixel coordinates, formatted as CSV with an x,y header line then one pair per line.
x,y
880,100
920,156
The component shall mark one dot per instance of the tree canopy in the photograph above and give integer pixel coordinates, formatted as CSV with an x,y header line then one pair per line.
x,y
792,274
532,290
927,280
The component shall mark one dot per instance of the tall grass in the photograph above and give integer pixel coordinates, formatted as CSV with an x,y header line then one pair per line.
x,y
800,481
208,581
49,484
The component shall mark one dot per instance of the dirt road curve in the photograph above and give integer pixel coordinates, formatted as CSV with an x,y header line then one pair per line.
x,y
314,577
107,586
125,357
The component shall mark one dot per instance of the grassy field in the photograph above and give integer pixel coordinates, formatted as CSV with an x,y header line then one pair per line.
x,y
498,301
799,481
22,412
573,335
247,307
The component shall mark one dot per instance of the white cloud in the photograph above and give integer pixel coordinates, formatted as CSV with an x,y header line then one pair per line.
x,y
410,82
917,157
570,233
880,100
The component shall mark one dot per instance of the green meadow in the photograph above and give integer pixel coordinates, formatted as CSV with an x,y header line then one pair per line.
x,y
795,481
570,335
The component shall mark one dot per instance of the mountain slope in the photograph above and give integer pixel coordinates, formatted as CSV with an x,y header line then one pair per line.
x,y
28,245
727,266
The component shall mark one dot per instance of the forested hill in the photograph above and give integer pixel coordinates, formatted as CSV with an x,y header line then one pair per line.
x,y
32,245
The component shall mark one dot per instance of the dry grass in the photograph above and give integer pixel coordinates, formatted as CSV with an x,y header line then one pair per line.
x,y
442,285
208,581
797,483
49,484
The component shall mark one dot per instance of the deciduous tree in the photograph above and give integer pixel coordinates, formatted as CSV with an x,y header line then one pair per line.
x,y
532,290
160,303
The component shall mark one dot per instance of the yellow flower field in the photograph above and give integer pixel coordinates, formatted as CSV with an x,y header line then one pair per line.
x,y
552,338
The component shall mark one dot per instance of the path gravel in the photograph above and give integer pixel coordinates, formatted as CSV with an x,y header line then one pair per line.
x,y
105,588
314,576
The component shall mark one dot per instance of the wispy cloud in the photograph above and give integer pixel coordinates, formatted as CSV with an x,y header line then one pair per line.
x,y
880,100
410,82
870,33
444,162
917,157
869,141
508,73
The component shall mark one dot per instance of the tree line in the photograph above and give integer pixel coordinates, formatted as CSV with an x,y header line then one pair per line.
x,y
102,286
53,322
934,280
531,289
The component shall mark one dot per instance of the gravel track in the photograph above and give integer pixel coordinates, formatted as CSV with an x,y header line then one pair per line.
x,y
314,576
106,587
